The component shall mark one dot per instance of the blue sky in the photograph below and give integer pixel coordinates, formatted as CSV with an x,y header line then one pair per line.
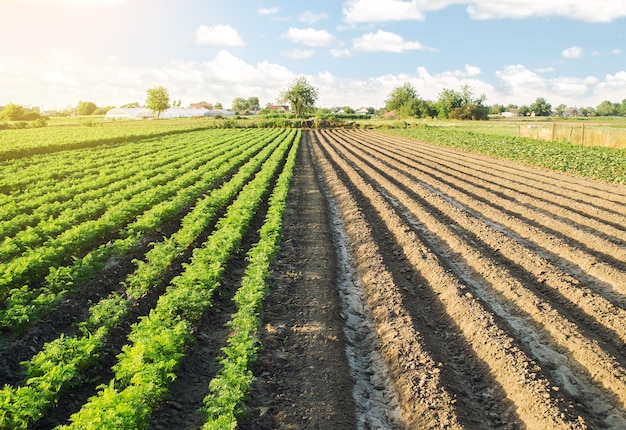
x,y
56,53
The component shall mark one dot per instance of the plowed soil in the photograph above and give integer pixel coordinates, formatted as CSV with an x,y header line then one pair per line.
x,y
442,289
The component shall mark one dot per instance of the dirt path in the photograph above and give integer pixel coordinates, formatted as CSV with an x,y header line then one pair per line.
x,y
303,376
496,291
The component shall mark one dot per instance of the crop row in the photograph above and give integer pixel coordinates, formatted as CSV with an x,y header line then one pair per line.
x,y
61,362
58,176
228,389
147,364
607,164
144,205
25,143
50,220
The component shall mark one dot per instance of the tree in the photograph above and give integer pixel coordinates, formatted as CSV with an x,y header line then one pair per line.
x,y
301,96
462,104
158,100
240,104
131,105
622,108
561,109
405,101
86,108
218,106
447,101
606,108
541,107
496,109
253,103
12,112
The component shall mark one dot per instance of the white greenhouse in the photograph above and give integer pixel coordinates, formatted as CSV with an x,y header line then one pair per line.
x,y
143,113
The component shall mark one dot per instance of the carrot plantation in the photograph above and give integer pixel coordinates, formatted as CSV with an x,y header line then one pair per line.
x,y
182,204
160,275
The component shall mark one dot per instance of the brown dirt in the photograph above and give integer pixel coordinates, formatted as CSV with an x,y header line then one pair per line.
x,y
496,290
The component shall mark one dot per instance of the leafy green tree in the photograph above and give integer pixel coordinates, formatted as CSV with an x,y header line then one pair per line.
x,y
622,108
462,105
523,110
447,101
301,95
158,100
131,105
218,106
561,109
496,109
12,112
606,108
86,108
541,107
240,104
253,103
405,101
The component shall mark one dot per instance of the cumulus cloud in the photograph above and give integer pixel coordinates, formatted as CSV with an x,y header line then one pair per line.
x,y
572,53
468,71
311,18
225,76
358,11
384,41
579,10
268,11
309,36
218,35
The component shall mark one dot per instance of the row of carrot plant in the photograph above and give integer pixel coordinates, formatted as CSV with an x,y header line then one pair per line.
x,y
61,362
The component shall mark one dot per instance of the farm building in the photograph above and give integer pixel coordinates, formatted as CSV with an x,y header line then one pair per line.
x,y
128,113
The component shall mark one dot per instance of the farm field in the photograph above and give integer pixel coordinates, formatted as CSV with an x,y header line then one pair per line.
x,y
496,293
414,286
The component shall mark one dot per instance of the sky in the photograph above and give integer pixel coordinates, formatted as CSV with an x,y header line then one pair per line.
x,y
55,53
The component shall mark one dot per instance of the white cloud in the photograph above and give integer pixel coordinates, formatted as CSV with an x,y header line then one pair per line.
x,y
268,11
218,35
384,41
299,54
572,53
616,51
309,36
358,11
469,71
310,17
62,78
579,10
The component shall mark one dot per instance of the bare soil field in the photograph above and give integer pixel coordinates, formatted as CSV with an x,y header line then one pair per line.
x,y
425,287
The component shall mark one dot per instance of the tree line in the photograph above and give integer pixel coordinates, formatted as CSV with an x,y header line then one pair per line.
x,y
403,102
